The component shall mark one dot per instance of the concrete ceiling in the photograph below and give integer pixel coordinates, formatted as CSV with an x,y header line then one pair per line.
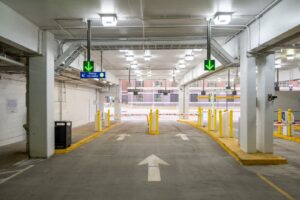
x,y
143,19
160,65
162,18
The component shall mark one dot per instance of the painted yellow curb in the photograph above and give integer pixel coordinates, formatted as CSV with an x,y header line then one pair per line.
x,y
84,140
232,147
294,139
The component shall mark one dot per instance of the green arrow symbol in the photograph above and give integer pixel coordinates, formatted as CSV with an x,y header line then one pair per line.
x,y
88,67
209,66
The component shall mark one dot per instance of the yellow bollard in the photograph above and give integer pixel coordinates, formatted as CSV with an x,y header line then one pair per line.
x,y
99,121
289,121
231,123
279,122
215,119
209,119
150,121
200,119
220,124
108,118
157,127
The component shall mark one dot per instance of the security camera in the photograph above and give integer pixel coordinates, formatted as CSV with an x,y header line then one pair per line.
x,y
271,97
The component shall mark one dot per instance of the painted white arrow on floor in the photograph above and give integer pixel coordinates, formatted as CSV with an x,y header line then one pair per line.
x,y
122,137
153,167
183,136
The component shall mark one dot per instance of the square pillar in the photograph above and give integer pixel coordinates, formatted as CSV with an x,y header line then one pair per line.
x,y
265,112
248,98
41,101
117,104
184,102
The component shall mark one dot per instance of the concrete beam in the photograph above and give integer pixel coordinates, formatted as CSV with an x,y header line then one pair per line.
x,y
19,32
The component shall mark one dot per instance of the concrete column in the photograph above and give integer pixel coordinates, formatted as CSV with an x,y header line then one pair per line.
x,y
41,103
117,104
265,112
248,98
183,102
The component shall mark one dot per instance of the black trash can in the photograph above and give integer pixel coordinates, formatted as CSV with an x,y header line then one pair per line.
x,y
63,134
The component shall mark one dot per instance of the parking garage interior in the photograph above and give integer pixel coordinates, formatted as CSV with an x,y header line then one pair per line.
x,y
149,99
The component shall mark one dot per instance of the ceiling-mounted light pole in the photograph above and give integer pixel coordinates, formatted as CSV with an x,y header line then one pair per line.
x,y
208,39
89,35
209,64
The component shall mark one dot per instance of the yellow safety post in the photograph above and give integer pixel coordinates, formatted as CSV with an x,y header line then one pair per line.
x,y
200,117
231,123
279,122
99,120
108,118
150,121
220,124
157,127
215,119
289,121
209,119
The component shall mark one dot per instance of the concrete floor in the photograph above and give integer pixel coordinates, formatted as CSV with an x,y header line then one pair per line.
x,y
108,169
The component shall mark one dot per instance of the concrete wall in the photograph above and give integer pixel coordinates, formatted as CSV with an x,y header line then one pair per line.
x,y
286,100
78,103
12,108
78,106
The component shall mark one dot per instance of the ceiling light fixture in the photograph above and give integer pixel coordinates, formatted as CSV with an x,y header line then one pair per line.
x,y
134,66
182,66
222,18
290,54
189,57
109,20
197,50
277,66
123,50
129,57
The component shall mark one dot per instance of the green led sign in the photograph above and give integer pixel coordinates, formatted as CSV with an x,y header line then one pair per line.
x,y
209,65
88,66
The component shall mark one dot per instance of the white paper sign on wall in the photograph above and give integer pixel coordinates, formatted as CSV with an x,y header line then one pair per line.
x,y
12,105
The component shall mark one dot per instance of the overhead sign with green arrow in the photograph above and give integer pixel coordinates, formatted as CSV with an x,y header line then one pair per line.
x,y
209,65
88,66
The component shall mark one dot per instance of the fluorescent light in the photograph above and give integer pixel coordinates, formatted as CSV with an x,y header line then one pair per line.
x,y
147,58
137,71
149,72
290,57
189,52
222,18
189,57
149,75
181,61
198,50
181,66
177,71
129,57
123,50
277,61
277,66
290,54
138,75
147,53
108,19
133,66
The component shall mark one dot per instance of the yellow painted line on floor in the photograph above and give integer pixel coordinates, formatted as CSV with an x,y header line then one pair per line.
x,y
232,148
84,140
294,139
273,185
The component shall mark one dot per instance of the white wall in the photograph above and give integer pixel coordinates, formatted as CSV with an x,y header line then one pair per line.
x,y
78,103
78,106
12,118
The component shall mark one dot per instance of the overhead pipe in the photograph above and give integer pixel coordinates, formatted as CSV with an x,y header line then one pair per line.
x,y
11,61
258,16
